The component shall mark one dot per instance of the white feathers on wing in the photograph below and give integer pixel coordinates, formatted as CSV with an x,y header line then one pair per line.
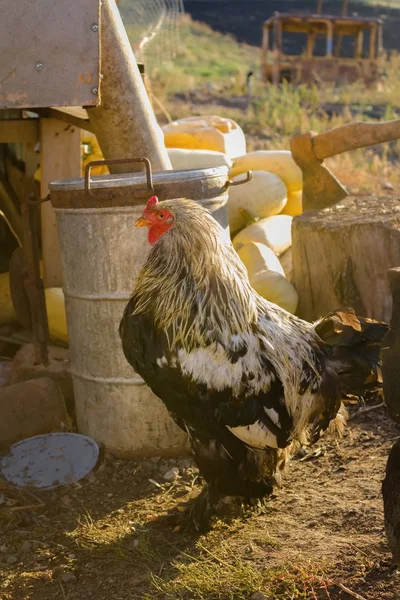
x,y
256,435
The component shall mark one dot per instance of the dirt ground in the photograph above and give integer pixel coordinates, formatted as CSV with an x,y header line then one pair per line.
x,y
117,534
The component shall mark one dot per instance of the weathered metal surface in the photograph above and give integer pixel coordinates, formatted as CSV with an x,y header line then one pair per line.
x,y
74,115
320,187
102,254
121,161
124,123
391,351
113,190
49,53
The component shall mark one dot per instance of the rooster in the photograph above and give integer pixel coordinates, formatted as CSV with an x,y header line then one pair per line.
x,y
244,378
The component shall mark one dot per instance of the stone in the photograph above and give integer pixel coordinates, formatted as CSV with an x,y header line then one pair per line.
x,y
163,468
146,468
11,559
172,474
26,546
68,577
386,185
59,369
31,408
185,463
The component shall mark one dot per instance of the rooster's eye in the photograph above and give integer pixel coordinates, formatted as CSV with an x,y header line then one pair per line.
x,y
160,216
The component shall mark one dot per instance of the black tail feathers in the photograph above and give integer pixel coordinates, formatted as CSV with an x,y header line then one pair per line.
x,y
354,345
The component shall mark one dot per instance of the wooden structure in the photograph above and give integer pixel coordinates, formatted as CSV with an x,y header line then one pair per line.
x,y
73,60
306,67
343,246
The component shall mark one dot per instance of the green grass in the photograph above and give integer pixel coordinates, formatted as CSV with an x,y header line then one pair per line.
x,y
390,3
212,569
225,574
204,56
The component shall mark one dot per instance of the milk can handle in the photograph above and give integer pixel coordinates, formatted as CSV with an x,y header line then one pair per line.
x,y
230,183
120,161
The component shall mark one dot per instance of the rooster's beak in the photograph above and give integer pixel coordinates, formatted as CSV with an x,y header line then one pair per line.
x,y
142,222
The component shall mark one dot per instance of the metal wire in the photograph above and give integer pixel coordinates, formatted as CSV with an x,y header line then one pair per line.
x,y
153,29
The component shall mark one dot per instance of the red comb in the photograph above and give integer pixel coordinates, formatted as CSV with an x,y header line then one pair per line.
x,y
152,202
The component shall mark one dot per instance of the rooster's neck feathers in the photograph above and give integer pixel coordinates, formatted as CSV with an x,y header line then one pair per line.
x,y
184,297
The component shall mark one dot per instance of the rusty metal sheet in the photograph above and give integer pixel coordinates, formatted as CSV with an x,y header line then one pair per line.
x,y
49,53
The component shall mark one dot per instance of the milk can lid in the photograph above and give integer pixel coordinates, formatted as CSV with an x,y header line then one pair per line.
x,y
127,189
139,180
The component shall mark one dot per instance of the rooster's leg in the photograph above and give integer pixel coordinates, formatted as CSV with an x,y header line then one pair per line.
x,y
209,503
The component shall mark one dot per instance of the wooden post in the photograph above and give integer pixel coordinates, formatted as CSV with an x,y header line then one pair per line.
x,y
60,158
310,45
264,54
340,37
372,42
329,39
276,67
359,45
16,186
380,40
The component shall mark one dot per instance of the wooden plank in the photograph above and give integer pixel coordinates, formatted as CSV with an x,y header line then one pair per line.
x,y
21,183
60,158
74,115
8,205
25,131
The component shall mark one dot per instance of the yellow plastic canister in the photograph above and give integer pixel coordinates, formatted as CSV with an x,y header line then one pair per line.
x,y
206,132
